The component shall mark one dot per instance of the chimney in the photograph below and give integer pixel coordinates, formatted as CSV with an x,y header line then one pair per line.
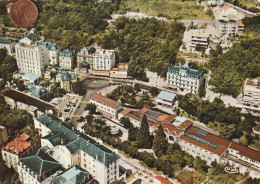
x,y
97,156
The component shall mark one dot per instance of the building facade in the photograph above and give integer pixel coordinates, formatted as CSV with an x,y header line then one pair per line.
x,y
165,99
251,98
104,59
66,59
227,26
16,149
31,59
85,57
6,44
37,167
105,105
184,78
53,51
199,38
69,147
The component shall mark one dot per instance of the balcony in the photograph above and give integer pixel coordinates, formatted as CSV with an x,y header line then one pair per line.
x,y
242,162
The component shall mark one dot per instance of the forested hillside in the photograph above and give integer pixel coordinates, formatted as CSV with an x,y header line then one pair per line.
x,y
229,70
145,43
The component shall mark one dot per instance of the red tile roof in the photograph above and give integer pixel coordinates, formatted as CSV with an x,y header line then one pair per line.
x,y
123,64
222,143
245,151
225,7
240,24
185,124
125,111
105,100
170,118
18,145
163,180
168,128
115,69
101,73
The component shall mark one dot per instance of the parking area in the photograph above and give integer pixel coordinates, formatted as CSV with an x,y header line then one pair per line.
x,y
66,104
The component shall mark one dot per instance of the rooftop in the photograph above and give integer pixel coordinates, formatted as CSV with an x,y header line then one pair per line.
x,y
225,7
4,40
49,46
206,140
67,53
39,91
165,95
187,68
72,175
105,100
254,82
18,145
245,151
163,180
32,37
63,133
40,162
30,100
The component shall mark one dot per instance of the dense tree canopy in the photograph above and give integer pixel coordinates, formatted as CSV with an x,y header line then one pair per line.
x,y
145,43
143,137
160,143
229,70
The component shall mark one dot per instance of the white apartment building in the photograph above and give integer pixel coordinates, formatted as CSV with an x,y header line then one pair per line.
x,y
70,148
104,59
203,144
184,78
227,26
66,59
36,169
251,98
17,148
106,106
53,51
199,38
31,59
6,44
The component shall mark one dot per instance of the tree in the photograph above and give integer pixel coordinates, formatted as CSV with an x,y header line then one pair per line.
x,y
154,91
143,137
160,143
77,88
199,164
227,131
132,133
91,107
126,122
137,87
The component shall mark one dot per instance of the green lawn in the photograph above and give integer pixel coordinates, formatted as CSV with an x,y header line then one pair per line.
x,y
188,9
248,3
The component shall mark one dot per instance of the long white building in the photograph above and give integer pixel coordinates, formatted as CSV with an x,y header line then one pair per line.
x,y
30,58
69,147
66,59
53,51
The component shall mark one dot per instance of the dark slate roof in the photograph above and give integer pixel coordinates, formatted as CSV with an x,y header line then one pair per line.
x,y
29,100
40,91
67,53
49,46
73,175
4,40
32,36
74,140
65,76
40,162
187,67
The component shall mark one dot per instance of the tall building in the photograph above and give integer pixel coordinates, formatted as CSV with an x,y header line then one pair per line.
x,y
104,59
16,149
85,57
6,43
69,147
31,59
184,78
66,59
251,98
106,106
53,51
37,167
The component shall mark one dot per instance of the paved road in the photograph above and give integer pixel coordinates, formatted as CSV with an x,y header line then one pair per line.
x,y
91,85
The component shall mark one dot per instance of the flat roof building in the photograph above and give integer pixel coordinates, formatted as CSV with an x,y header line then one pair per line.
x,y
165,99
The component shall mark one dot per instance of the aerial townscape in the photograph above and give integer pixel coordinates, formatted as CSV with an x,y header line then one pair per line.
x,y
131,92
